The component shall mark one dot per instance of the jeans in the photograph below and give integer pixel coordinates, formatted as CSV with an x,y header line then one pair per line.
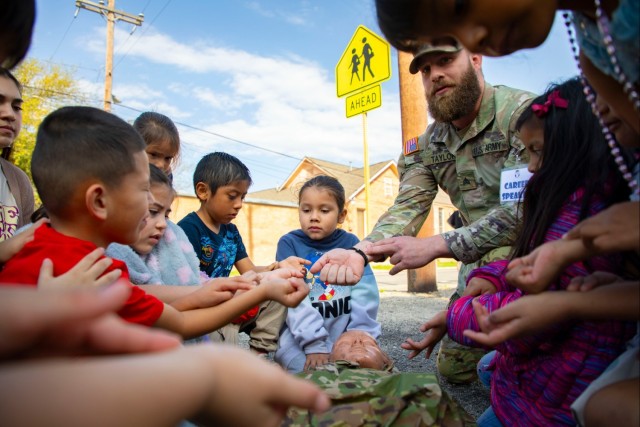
x,y
483,374
488,419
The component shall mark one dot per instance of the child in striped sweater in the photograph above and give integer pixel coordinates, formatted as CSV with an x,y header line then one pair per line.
x,y
535,379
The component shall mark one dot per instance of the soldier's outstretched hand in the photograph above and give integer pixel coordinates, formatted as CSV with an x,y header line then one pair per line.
x,y
409,252
339,267
434,330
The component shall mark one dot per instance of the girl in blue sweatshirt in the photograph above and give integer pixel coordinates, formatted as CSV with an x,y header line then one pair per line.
x,y
329,310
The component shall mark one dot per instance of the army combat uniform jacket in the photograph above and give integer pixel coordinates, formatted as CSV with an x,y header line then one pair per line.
x,y
467,165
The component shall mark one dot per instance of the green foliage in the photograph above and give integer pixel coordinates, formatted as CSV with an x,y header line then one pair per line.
x,y
45,88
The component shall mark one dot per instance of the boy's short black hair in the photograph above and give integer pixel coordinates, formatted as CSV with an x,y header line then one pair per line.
x,y
75,144
219,169
16,26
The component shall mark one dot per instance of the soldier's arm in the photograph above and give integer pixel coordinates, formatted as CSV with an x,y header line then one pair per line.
x,y
498,228
418,188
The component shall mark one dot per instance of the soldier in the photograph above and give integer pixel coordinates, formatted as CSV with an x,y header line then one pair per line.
x,y
464,152
366,389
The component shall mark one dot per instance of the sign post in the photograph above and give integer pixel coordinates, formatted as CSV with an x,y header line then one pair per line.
x,y
364,64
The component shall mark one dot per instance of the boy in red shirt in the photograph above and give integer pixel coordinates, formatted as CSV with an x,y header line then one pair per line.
x,y
92,174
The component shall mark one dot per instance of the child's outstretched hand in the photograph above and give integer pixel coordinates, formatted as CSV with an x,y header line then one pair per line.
x,y
246,391
221,289
88,272
587,283
615,229
534,272
434,330
314,360
285,286
526,315
294,262
478,286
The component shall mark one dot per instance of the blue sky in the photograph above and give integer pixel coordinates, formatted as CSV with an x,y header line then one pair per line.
x,y
252,78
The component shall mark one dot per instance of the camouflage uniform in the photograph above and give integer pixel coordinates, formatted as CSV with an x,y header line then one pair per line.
x,y
466,164
369,397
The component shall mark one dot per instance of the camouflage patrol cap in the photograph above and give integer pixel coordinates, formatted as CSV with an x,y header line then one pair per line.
x,y
440,45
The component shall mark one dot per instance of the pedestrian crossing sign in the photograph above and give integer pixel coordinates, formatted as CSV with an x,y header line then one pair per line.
x,y
365,62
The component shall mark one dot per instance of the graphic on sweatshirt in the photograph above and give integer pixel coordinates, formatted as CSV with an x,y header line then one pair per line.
x,y
314,279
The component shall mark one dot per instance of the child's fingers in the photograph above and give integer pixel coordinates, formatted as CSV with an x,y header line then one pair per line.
x,y
89,260
292,391
46,271
108,278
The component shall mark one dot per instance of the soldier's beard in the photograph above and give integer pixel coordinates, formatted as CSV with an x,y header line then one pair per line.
x,y
460,101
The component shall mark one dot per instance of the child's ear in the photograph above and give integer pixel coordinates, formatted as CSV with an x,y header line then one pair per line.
x,y
96,201
342,216
202,191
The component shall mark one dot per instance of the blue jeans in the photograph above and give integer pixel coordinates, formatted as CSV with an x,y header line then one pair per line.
x,y
483,374
488,419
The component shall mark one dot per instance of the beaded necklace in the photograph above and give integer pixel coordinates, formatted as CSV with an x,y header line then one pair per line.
x,y
603,26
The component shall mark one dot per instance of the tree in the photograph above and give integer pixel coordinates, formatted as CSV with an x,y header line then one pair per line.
x,y
44,89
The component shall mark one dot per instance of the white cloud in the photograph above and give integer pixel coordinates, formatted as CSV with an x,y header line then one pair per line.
x,y
285,104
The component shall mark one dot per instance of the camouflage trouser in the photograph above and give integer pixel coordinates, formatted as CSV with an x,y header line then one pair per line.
x,y
367,397
456,362
263,330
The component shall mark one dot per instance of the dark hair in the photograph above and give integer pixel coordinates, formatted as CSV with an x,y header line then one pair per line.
x,y
330,184
75,144
397,20
158,176
155,127
219,169
574,155
16,26
6,151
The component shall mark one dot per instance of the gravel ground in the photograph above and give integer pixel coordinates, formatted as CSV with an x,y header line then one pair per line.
x,y
401,314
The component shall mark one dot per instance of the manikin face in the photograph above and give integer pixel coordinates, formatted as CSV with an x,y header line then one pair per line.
x,y
10,112
532,136
318,212
159,210
359,346
488,27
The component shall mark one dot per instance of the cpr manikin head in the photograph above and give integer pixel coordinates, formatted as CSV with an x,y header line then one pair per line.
x,y
362,348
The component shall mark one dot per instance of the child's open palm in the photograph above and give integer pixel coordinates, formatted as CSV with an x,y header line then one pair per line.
x,y
434,330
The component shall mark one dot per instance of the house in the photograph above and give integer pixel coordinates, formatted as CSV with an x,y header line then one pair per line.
x,y
268,214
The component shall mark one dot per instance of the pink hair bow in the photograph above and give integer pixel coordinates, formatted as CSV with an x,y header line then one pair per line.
x,y
554,98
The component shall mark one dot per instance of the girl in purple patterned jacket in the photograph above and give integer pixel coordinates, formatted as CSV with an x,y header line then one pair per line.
x,y
535,379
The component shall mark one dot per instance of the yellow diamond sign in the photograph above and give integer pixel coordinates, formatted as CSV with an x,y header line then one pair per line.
x,y
365,62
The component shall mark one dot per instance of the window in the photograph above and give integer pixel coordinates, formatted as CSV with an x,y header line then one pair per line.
x,y
388,187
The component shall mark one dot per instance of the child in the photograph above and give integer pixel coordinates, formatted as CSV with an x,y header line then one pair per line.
x,y
221,183
159,257
92,174
16,195
574,177
162,138
314,326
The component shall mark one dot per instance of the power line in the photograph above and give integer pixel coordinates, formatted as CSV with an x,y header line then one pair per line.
x,y
218,135
64,35
143,33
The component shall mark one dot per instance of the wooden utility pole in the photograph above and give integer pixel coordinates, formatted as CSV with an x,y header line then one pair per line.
x,y
413,109
112,15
